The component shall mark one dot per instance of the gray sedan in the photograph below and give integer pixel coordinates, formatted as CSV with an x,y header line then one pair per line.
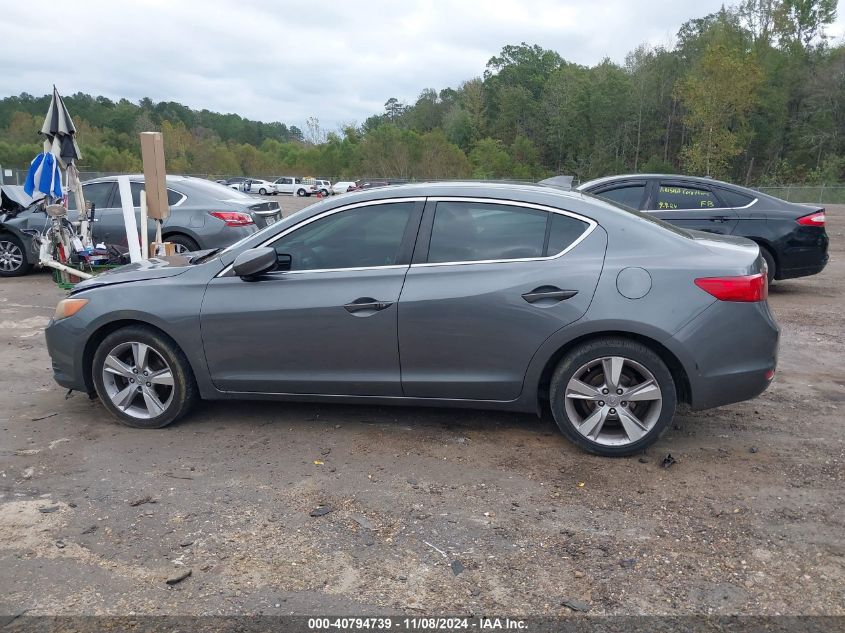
x,y
512,297
203,214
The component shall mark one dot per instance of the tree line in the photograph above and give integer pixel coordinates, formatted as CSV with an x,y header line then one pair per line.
x,y
754,93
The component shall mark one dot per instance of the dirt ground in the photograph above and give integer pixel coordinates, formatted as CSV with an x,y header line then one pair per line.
x,y
432,511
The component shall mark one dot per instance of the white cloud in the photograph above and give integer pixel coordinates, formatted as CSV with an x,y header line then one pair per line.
x,y
287,61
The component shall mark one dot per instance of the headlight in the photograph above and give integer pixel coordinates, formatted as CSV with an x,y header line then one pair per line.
x,y
68,307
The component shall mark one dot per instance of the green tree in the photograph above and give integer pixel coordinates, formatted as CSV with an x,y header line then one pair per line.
x,y
718,95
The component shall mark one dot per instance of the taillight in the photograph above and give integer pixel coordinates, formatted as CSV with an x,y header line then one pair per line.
x,y
745,288
233,218
813,219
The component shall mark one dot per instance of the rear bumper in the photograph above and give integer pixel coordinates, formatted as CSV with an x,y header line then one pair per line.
x,y
733,349
803,271
803,252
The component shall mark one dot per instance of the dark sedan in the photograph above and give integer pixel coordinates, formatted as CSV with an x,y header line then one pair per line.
x,y
454,294
792,237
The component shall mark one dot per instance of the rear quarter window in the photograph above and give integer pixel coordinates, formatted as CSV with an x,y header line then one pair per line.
x,y
733,198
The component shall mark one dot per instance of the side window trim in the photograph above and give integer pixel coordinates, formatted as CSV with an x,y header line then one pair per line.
x,y
424,241
414,221
718,190
181,199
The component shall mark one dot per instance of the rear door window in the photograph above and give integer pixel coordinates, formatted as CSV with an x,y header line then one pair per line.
x,y
682,196
476,231
98,193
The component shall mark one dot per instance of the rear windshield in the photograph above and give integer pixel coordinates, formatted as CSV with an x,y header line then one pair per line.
x,y
216,190
642,216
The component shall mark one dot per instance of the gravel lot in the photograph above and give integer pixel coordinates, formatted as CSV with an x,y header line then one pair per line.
x,y
431,510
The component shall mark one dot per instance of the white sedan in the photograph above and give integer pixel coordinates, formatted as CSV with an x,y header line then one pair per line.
x,y
255,185
344,186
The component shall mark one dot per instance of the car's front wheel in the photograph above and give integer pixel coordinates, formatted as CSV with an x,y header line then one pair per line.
x,y
13,259
612,396
262,191
143,378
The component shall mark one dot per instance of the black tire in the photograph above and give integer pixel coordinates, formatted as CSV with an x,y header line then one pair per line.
x,y
12,247
301,192
585,353
262,191
324,192
770,262
184,390
186,243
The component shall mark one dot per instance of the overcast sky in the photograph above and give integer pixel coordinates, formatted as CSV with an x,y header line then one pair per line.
x,y
286,61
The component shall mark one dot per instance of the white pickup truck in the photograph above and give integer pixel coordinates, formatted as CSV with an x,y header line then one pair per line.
x,y
293,185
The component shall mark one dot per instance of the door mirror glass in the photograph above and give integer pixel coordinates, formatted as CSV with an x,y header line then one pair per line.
x,y
254,262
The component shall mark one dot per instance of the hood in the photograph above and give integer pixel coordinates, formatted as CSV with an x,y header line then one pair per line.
x,y
155,268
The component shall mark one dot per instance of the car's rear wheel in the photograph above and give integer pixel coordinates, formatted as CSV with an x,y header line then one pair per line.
x,y
301,192
770,262
13,259
143,378
183,243
612,396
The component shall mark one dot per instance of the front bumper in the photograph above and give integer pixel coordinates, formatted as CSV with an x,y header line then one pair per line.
x,y
67,354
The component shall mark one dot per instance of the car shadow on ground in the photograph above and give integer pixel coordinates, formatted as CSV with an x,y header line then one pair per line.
x,y
262,413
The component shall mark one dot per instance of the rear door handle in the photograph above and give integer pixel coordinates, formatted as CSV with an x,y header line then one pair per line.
x,y
367,304
720,218
549,293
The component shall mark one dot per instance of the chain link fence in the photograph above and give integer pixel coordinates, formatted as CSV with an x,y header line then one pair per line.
x,y
819,194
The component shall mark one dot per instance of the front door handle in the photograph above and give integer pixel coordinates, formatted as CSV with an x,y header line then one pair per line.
x,y
367,304
720,218
551,294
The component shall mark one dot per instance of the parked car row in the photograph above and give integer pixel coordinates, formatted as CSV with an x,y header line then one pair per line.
x,y
791,237
294,185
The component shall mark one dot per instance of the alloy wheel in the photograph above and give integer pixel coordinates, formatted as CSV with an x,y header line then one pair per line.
x,y
613,401
138,380
11,256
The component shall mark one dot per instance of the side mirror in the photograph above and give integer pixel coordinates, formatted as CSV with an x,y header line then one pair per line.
x,y
254,262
